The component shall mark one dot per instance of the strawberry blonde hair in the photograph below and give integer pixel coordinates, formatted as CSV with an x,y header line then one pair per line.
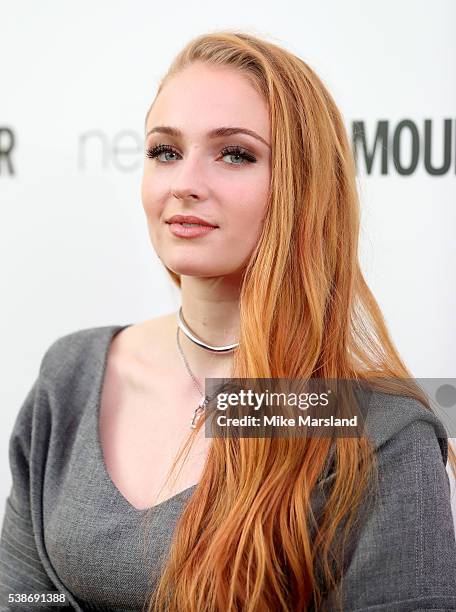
x,y
247,538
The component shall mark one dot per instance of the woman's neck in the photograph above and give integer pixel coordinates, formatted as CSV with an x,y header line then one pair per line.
x,y
210,309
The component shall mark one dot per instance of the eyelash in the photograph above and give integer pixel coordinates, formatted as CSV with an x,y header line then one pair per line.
x,y
153,152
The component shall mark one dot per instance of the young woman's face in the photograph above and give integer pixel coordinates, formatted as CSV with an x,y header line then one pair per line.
x,y
221,178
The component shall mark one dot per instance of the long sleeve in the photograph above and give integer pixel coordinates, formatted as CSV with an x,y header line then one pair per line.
x,y
21,570
405,558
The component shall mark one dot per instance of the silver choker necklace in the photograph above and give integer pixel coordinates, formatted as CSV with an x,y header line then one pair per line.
x,y
201,343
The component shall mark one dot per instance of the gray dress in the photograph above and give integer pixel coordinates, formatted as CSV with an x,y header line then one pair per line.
x,y
68,530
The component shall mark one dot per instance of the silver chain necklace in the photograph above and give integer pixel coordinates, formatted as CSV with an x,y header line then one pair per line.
x,y
197,413
200,408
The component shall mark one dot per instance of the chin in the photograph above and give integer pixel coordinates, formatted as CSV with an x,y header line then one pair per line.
x,y
189,268
195,271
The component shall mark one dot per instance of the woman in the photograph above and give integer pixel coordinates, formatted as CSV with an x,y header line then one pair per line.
x,y
243,138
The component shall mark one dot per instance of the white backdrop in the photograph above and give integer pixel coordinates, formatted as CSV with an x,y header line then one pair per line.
x,y
77,79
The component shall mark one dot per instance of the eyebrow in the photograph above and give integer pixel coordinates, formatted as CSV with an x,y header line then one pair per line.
x,y
216,133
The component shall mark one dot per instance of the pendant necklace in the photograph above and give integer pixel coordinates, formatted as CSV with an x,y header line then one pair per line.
x,y
197,413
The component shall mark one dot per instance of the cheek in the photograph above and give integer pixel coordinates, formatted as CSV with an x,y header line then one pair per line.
x,y
251,208
146,198
151,197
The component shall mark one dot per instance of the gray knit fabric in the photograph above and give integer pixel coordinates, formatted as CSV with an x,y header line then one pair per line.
x,y
67,529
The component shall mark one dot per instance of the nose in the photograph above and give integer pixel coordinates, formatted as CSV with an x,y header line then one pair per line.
x,y
188,180
183,194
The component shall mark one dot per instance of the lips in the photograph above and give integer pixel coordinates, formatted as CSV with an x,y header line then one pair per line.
x,y
190,219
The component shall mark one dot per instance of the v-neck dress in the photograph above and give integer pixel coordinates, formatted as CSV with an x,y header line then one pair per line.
x,y
68,530
105,551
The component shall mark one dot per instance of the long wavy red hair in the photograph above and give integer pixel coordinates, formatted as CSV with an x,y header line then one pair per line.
x,y
247,539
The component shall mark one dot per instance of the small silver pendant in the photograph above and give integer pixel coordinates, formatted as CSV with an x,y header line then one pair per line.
x,y
198,412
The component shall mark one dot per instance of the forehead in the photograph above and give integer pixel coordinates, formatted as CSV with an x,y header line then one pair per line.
x,y
203,97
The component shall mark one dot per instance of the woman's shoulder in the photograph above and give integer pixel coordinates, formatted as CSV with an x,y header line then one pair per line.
x,y
73,359
76,352
67,379
396,423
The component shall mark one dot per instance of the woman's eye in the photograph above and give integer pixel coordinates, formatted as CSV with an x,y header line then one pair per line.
x,y
156,151
242,155
238,154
